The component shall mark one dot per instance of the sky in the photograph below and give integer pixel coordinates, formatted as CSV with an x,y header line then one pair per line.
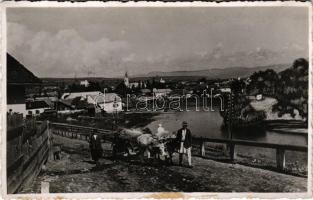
x,y
107,42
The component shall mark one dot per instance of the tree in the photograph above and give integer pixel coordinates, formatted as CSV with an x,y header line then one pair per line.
x,y
203,79
122,90
292,91
264,82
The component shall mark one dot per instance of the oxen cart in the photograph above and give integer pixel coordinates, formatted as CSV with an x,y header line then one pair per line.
x,y
142,142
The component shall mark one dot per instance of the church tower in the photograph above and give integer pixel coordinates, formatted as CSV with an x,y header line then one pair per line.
x,y
126,81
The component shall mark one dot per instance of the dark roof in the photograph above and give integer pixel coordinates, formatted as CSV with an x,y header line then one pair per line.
x,y
36,105
18,74
66,103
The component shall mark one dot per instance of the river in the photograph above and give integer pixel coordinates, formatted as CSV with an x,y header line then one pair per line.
x,y
208,124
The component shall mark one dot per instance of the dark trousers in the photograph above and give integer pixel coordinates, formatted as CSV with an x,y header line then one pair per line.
x,y
96,154
188,156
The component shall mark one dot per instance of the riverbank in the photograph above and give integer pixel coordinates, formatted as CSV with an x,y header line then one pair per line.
x,y
266,105
76,173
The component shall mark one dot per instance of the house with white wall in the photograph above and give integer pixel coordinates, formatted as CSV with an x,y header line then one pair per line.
x,y
83,95
18,79
84,83
36,107
109,102
161,92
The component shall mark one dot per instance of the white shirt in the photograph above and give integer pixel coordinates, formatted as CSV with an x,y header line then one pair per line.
x,y
183,135
95,136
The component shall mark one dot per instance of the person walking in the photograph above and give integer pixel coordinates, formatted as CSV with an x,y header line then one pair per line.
x,y
160,129
184,139
95,147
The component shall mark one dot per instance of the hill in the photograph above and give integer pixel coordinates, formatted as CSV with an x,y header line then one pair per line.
x,y
214,73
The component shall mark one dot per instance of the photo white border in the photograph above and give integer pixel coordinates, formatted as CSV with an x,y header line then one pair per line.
x,y
149,195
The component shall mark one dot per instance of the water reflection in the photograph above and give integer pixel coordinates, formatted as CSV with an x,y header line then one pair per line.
x,y
210,124
255,133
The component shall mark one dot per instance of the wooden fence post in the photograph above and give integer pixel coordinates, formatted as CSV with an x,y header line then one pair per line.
x,y
50,141
232,152
280,158
45,185
202,150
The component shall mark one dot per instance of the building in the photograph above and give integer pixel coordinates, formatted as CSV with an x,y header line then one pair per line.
x,y
83,95
129,84
36,107
49,100
145,91
84,83
18,79
133,85
180,92
161,92
225,90
70,106
67,106
64,105
109,102
162,80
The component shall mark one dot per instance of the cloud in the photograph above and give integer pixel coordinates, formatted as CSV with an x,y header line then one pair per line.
x,y
65,52
141,42
130,58
17,34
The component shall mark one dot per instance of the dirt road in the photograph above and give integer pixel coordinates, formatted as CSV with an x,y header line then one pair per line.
x,y
76,173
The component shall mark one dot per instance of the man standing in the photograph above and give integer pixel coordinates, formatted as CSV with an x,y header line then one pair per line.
x,y
184,139
95,147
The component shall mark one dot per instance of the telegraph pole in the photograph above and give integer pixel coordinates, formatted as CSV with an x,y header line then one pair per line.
x,y
115,114
230,109
230,133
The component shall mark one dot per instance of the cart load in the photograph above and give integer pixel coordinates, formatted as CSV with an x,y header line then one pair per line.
x,y
145,140
129,134
137,141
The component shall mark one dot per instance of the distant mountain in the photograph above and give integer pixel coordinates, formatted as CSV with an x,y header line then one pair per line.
x,y
223,73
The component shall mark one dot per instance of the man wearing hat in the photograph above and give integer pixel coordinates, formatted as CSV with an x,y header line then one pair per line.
x,y
184,139
95,146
